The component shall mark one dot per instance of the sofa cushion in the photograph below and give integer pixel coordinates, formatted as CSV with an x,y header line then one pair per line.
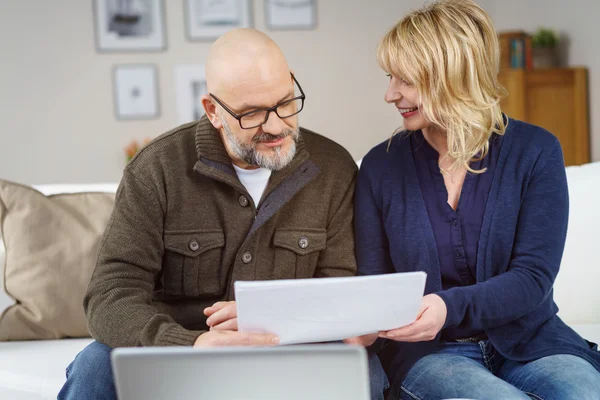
x,y
64,188
36,369
51,244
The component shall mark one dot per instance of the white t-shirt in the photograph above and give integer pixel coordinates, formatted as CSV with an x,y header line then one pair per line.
x,y
255,181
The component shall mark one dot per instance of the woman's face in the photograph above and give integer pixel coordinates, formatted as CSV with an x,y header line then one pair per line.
x,y
406,99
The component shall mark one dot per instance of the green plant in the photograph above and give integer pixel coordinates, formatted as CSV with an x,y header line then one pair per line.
x,y
544,37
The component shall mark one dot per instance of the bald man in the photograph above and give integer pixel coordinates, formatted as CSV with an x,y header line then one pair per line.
x,y
242,194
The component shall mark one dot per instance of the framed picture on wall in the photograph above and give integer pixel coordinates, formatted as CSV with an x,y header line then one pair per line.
x,y
129,25
209,19
135,91
190,85
291,14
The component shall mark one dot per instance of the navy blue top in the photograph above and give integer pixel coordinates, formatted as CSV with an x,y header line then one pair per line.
x,y
520,247
456,233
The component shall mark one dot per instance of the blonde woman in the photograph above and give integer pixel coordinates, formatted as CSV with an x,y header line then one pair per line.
x,y
479,202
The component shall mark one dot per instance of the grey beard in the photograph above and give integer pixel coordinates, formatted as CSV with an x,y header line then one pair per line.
x,y
274,160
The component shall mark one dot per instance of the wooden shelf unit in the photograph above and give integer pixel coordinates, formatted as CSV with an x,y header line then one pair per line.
x,y
555,99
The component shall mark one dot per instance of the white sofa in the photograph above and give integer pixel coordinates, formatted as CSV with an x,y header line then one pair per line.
x,y
36,369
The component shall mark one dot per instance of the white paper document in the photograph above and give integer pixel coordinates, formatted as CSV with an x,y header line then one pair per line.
x,y
329,309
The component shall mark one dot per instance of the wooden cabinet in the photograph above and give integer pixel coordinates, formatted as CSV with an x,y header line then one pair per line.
x,y
555,99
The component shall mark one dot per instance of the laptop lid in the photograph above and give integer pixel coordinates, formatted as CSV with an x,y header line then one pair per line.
x,y
327,371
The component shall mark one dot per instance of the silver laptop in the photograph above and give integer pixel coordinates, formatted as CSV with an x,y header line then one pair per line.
x,y
327,371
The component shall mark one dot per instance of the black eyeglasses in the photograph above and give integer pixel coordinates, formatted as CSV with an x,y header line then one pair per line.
x,y
256,118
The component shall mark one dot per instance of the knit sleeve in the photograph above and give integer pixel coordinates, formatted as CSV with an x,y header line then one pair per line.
x,y
372,247
537,250
118,302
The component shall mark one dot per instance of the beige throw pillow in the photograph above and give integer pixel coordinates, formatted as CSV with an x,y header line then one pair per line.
x,y
51,245
5,300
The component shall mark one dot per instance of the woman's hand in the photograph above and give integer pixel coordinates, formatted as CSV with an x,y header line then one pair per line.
x,y
430,321
364,340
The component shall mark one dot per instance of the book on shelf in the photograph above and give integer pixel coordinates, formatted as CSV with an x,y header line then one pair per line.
x,y
515,50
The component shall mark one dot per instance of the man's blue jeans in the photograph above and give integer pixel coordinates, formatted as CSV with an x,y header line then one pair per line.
x,y
478,371
90,376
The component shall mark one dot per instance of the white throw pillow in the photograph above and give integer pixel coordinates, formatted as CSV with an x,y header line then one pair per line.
x,y
575,289
51,189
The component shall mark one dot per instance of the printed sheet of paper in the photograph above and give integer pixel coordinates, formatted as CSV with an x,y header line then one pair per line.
x,y
329,309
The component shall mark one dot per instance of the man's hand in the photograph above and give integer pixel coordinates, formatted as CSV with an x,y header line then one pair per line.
x,y
219,338
430,321
222,316
364,340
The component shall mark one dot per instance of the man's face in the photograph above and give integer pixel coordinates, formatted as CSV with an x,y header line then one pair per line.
x,y
271,145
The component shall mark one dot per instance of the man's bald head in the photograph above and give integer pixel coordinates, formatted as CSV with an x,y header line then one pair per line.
x,y
247,73
243,57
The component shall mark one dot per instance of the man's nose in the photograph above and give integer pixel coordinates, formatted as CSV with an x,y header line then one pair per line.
x,y
274,124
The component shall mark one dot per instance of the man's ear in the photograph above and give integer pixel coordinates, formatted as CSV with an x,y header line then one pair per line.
x,y
211,111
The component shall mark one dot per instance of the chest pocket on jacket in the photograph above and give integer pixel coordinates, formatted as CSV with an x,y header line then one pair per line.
x,y
297,252
192,263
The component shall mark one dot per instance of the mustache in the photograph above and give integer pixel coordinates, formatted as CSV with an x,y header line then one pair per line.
x,y
267,137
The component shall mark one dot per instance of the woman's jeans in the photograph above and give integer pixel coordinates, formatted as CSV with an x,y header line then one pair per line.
x,y
478,371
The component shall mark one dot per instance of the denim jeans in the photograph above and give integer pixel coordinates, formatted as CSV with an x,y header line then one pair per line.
x,y
478,371
378,379
90,376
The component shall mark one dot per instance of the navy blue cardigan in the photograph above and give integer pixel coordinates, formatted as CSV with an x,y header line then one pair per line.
x,y
519,252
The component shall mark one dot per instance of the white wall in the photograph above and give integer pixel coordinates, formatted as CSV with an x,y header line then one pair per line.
x,y
577,22
57,121
56,101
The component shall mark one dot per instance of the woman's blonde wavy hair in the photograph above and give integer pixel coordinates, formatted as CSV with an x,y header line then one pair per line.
x,y
449,51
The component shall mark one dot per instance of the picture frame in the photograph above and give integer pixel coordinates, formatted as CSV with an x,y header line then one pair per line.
x,y
129,25
135,88
291,14
206,20
190,85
